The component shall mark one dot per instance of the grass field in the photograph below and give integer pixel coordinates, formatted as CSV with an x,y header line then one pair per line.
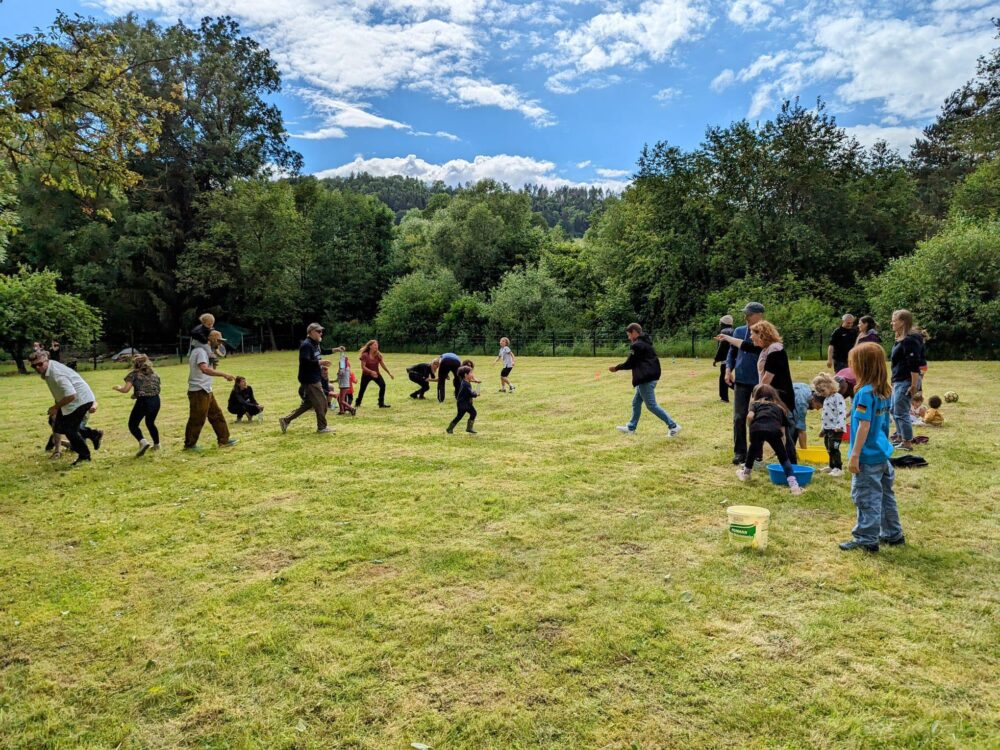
x,y
548,583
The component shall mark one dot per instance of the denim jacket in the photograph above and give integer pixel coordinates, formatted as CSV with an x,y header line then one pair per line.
x,y
743,364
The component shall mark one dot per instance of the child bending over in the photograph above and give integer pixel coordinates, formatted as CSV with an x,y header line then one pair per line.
x,y
768,417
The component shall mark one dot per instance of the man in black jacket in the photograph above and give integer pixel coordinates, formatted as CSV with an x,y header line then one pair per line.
x,y
645,367
721,353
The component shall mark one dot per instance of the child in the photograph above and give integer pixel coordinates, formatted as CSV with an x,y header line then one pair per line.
x,y
872,484
200,332
917,409
768,416
324,381
344,379
463,398
833,420
933,416
472,367
507,356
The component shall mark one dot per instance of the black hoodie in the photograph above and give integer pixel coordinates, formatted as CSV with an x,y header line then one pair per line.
x,y
642,361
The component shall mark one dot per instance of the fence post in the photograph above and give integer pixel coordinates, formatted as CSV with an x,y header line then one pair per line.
x,y
593,342
95,350
821,343
693,334
553,343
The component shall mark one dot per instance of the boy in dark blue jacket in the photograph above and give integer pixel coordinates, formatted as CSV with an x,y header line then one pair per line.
x,y
463,398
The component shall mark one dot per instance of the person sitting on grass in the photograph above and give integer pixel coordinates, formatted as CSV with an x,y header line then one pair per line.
x,y
873,476
463,399
243,403
933,415
768,420
833,420
917,409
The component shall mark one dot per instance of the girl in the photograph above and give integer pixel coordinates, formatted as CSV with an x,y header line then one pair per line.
x,y
917,409
833,420
344,379
147,401
371,361
871,485
907,358
242,401
768,419
463,399
507,356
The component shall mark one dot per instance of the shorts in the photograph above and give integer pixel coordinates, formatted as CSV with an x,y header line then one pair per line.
x,y
506,371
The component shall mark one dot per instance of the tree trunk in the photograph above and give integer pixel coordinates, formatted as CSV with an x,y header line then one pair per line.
x,y
15,354
270,332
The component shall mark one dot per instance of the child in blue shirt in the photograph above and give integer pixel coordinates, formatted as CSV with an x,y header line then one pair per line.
x,y
873,475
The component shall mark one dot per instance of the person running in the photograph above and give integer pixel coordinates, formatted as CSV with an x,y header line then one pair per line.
x,y
645,367
422,375
243,403
464,396
507,356
371,364
311,363
449,364
73,401
145,384
201,399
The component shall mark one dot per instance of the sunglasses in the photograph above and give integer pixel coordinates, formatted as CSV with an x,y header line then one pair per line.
x,y
36,365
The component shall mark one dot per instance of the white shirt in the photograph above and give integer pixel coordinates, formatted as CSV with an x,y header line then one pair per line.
x,y
834,413
64,381
507,356
197,380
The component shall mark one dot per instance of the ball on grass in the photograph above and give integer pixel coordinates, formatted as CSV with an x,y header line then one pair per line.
x,y
951,397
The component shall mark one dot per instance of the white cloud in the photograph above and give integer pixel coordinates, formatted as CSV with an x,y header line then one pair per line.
x,y
723,81
583,164
338,116
900,138
471,92
437,134
751,12
611,173
623,38
667,94
516,171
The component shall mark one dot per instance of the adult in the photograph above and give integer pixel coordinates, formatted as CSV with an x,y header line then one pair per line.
x,y
867,334
841,342
741,373
372,362
721,353
449,364
906,358
201,400
242,402
422,375
73,401
645,367
311,363
846,382
144,383
55,351
804,400
772,368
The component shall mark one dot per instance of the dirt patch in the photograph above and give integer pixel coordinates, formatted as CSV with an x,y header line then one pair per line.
x,y
630,548
270,560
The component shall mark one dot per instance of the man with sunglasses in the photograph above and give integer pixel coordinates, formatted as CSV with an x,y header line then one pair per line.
x,y
741,373
73,401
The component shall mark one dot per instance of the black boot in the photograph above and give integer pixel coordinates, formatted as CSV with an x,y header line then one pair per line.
x,y
468,427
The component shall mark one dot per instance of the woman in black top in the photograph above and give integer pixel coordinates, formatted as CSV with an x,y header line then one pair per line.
x,y
242,401
907,358
144,383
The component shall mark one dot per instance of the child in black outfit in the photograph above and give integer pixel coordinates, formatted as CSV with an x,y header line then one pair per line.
x,y
463,398
768,418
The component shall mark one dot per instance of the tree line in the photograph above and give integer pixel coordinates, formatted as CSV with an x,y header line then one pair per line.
x,y
146,178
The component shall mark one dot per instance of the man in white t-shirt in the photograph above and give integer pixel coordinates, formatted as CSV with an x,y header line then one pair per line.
x,y
202,400
507,356
73,401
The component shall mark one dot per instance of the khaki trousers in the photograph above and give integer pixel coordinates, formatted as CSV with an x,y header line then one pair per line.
x,y
204,406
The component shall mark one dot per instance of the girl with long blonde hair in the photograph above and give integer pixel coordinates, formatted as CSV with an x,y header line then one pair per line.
x,y
146,384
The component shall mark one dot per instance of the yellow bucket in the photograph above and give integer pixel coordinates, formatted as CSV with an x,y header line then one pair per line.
x,y
748,526
815,455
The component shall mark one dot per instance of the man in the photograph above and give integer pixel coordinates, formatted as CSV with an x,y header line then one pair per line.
x,y
422,375
741,373
721,353
73,401
645,367
842,341
201,400
311,364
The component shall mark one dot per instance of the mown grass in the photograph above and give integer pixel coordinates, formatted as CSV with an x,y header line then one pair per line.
x,y
548,583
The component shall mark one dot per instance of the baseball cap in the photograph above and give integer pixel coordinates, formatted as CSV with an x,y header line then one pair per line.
x,y
753,307
314,327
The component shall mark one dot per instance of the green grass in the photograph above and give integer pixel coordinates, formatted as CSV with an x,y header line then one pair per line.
x,y
548,583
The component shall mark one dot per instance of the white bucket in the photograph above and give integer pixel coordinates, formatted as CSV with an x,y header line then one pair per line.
x,y
748,526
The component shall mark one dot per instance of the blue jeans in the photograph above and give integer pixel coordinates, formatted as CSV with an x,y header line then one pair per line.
x,y
647,393
878,516
901,410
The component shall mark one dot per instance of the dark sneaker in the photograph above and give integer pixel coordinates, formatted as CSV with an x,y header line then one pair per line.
x,y
81,460
855,544
894,542
384,406
96,440
194,448
229,443
450,430
283,424
737,460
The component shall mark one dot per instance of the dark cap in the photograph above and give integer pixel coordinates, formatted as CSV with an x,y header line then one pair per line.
x,y
753,307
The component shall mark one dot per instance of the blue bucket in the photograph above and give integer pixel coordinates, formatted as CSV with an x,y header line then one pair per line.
x,y
803,474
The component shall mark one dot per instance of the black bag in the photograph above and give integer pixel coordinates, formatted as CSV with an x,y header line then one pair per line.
x,y
908,462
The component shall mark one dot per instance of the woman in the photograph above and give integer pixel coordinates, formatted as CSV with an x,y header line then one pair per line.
x,y
726,323
866,331
146,383
242,401
907,357
448,364
772,367
371,362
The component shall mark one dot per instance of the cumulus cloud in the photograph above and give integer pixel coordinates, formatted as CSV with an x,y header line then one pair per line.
x,y
625,35
898,137
723,81
667,94
516,171
611,173
751,12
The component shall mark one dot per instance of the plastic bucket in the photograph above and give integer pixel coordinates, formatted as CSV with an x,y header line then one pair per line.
x,y
748,526
814,455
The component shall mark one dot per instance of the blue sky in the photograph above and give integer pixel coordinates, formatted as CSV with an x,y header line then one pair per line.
x,y
568,91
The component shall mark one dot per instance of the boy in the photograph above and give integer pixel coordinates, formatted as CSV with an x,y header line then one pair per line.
x,y
463,398
507,356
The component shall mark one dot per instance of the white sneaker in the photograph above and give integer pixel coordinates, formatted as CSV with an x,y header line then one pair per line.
x,y
674,431
624,428
143,447
826,470
325,431
742,474
156,446
836,472
793,485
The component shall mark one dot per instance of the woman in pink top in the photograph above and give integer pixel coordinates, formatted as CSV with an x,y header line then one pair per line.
x,y
371,362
